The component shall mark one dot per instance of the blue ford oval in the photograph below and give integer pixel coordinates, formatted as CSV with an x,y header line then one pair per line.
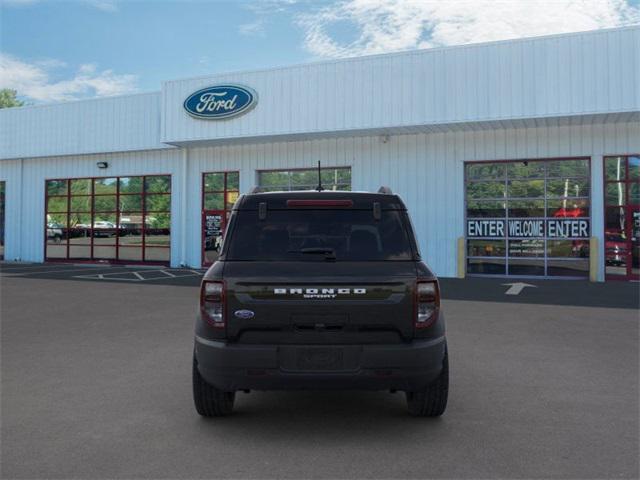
x,y
244,314
220,101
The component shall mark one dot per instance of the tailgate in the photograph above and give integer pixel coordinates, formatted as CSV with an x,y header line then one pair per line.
x,y
319,303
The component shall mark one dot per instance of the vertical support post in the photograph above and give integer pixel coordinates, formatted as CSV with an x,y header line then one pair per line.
x,y
594,256
461,258
21,229
184,200
596,250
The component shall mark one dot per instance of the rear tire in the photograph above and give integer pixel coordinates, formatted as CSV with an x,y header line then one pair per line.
x,y
210,401
431,402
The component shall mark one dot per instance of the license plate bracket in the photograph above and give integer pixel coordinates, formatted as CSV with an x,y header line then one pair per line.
x,y
319,359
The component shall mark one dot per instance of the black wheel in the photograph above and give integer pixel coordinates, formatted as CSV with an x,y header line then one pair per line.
x,y
209,401
433,401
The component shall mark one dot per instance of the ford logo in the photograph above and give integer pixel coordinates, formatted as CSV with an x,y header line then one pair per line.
x,y
244,314
220,102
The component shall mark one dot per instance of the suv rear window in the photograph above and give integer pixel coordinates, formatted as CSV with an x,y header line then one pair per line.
x,y
301,235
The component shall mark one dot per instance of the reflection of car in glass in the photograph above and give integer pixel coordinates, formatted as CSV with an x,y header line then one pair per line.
x,y
132,224
213,243
580,248
79,230
54,232
320,290
103,229
615,249
569,212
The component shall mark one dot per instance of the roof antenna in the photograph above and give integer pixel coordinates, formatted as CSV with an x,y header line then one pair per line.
x,y
319,187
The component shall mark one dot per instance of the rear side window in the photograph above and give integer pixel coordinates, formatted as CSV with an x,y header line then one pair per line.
x,y
306,235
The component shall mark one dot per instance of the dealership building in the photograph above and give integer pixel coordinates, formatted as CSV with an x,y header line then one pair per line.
x,y
515,158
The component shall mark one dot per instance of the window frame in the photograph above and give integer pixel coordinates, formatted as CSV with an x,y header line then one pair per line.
x,y
3,214
225,211
303,169
628,207
143,212
506,199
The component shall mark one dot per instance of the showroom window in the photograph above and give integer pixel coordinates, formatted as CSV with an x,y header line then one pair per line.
x,y
2,187
622,217
528,218
124,219
304,179
220,190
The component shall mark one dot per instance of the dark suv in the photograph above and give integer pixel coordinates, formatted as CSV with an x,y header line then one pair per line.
x,y
320,290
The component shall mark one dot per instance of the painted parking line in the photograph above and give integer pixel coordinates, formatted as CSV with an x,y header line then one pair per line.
x,y
141,275
33,271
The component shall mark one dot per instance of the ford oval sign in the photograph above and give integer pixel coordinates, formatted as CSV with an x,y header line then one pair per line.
x,y
244,314
220,102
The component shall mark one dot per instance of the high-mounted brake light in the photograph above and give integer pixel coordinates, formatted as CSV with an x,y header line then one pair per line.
x,y
319,203
427,303
212,300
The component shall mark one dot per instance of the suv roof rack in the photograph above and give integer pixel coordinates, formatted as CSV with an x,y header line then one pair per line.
x,y
385,190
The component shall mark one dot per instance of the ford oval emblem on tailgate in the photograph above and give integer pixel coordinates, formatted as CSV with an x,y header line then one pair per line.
x,y
244,314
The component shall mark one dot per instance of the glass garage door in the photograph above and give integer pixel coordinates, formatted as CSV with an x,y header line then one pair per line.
x,y
528,217
622,217
2,187
122,219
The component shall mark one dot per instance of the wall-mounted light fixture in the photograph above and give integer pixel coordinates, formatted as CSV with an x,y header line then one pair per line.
x,y
102,165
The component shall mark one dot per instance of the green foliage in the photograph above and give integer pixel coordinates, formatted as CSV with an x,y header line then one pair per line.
x,y
158,184
332,179
8,98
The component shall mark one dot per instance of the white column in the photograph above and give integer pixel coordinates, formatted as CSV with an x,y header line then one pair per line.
x,y
184,207
597,210
248,178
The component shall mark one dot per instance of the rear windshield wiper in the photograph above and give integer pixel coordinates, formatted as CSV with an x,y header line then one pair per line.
x,y
329,253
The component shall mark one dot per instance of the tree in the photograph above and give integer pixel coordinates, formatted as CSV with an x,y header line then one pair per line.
x,y
8,98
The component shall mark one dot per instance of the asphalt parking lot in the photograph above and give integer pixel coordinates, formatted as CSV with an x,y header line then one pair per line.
x,y
96,384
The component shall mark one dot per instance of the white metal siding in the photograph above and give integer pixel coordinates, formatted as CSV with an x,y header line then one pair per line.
x,y
11,174
558,76
425,169
573,78
113,124
25,209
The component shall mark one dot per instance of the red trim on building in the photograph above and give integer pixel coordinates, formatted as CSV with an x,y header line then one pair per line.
x,y
226,207
628,210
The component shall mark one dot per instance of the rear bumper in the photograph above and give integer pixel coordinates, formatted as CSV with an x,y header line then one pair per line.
x,y
408,367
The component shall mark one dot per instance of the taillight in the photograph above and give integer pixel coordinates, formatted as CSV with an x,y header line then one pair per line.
x,y
427,303
212,303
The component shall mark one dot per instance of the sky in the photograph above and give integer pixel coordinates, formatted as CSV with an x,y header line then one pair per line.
x,y
55,50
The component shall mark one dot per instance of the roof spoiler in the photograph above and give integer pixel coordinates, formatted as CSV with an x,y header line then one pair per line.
x,y
382,189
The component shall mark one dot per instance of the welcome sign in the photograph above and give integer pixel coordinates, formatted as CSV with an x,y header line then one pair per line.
x,y
220,102
526,228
